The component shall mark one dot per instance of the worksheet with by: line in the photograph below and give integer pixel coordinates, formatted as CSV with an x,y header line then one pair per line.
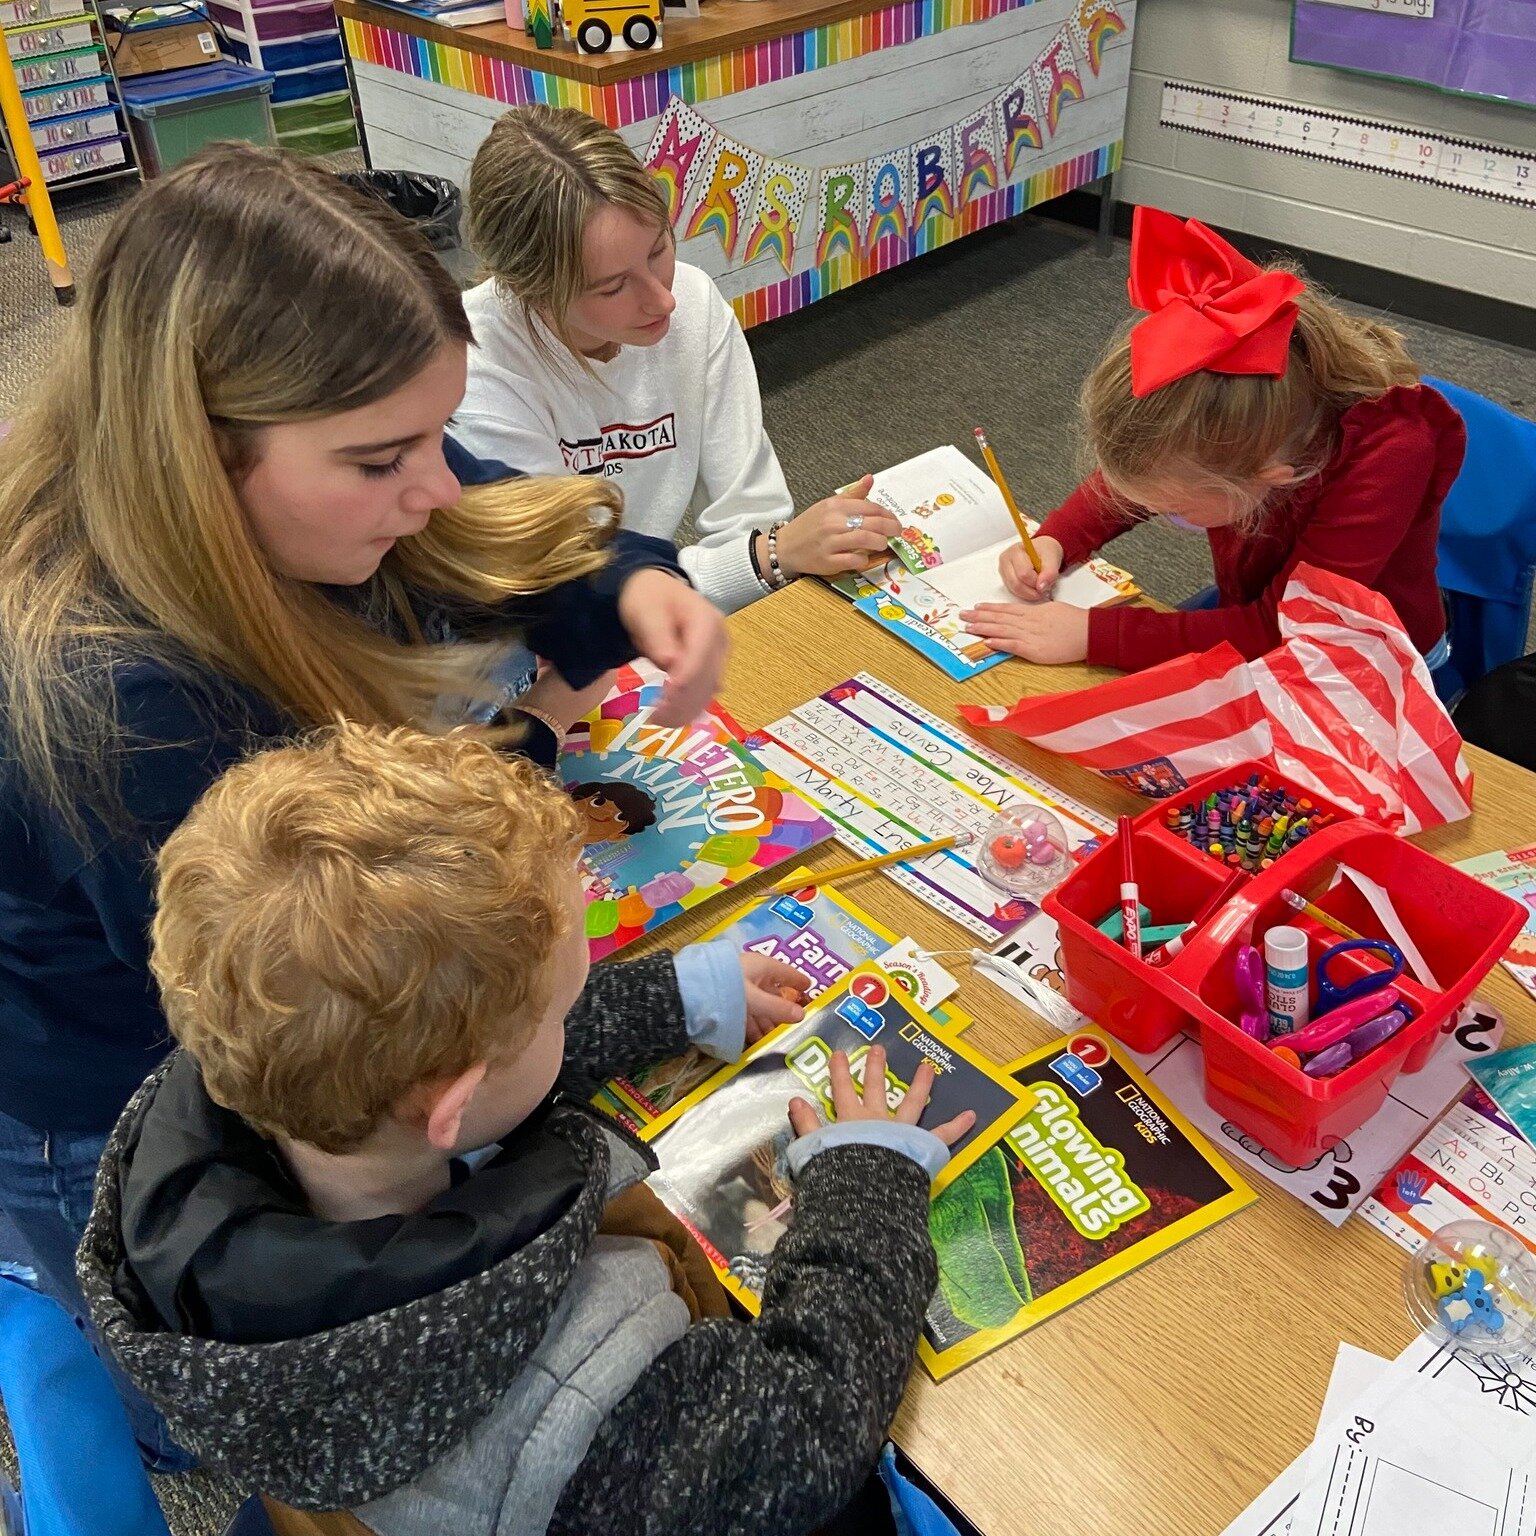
x,y
1392,1456
1415,1454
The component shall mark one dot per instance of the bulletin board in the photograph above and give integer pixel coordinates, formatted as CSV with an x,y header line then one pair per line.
x,y
1467,47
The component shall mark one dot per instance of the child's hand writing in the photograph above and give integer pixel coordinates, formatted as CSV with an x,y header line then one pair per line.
x,y
775,994
1050,633
847,1105
1022,579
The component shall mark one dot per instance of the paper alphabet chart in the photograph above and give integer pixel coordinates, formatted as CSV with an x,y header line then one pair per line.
x,y
889,775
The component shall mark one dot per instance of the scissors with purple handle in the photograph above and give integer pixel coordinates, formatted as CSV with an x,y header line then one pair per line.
x,y
1253,1012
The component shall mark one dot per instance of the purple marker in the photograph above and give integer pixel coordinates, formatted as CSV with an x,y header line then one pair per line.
x,y
1359,1043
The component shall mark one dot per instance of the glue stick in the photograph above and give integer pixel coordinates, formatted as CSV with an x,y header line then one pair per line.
x,y
1285,979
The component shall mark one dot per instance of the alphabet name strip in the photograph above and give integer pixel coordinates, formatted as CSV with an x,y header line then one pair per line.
x,y
756,204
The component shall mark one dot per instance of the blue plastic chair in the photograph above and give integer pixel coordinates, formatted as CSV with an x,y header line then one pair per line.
x,y
65,1418
913,1511
1487,540
80,1468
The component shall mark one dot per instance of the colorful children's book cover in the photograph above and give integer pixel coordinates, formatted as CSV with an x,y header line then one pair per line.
x,y
675,815
723,1149
1509,1079
1513,871
824,936
1099,1177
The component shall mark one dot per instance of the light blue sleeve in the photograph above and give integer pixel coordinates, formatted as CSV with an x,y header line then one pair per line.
x,y
923,1147
714,997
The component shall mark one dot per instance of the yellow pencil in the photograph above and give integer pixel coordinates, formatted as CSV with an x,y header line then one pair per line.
x,y
1316,913
825,877
1012,505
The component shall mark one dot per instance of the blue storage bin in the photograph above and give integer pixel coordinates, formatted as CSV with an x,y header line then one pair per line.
x,y
174,114
301,84
302,53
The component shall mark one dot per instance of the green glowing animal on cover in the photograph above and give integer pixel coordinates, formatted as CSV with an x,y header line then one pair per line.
x,y
981,1262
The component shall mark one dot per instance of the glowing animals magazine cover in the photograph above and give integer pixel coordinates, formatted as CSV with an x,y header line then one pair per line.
x,y
1100,1176
674,814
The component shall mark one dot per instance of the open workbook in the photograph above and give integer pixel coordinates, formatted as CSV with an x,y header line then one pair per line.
x,y
954,529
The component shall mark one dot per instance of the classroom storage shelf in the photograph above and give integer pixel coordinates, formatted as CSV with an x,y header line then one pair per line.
x,y
297,41
68,91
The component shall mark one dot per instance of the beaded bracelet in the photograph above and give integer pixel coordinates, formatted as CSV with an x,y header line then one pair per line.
x,y
776,577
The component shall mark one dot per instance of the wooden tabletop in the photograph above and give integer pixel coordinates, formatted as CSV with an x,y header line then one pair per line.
x,y
722,27
1166,1402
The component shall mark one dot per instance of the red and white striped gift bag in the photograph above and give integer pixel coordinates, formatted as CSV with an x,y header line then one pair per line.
x,y
1344,706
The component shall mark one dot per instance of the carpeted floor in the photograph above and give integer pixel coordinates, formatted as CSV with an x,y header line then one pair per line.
x,y
996,331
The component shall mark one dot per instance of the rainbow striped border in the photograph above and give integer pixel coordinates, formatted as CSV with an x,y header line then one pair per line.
x,y
775,299
634,100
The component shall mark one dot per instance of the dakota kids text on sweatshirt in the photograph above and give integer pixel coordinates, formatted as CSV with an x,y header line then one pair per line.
x,y
677,426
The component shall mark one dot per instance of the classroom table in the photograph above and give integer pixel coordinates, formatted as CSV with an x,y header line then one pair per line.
x,y
1164,1403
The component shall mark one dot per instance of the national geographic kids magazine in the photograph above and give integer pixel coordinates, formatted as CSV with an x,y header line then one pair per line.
x,y
723,1149
1100,1176
824,936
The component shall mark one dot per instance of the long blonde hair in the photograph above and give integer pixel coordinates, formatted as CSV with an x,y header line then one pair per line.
x,y
245,288
537,178
1218,431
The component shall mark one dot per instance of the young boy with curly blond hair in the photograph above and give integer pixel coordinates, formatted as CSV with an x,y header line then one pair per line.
x,y
363,1243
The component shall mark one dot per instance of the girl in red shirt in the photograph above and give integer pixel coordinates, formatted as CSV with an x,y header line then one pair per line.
x,y
1246,406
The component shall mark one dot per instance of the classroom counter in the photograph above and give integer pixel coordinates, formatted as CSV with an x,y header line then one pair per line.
x,y
804,144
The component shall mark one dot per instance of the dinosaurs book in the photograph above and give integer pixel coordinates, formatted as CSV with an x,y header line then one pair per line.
x,y
723,1149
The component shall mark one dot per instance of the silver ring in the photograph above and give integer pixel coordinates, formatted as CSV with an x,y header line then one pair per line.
x,y
855,521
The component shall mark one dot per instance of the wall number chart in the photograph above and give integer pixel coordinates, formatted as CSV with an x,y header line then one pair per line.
x,y
1367,144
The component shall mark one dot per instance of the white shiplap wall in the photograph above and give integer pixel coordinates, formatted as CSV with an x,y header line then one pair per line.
x,y
842,112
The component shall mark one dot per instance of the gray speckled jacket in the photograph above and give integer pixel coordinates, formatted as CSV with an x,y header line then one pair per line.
x,y
563,1385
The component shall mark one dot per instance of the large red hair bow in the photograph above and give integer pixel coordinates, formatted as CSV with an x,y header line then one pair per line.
x,y
1208,307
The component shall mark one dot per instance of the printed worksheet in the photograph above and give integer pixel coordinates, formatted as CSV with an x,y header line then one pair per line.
x,y
1504,1381
1415,1452
888,774
974,578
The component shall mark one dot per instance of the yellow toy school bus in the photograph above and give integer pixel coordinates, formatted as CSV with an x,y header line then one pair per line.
x,y
592,24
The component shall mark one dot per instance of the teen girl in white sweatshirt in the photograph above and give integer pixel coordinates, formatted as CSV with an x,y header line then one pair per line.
x,y
600,353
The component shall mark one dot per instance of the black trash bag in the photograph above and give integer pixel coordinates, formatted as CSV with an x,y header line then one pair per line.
x,y
432,203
